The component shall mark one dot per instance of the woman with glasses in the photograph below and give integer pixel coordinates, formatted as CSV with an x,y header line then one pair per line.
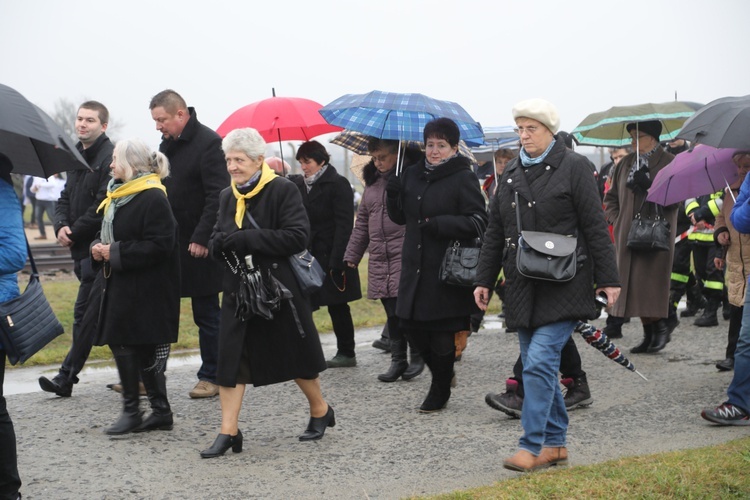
x,y
549,188
438,199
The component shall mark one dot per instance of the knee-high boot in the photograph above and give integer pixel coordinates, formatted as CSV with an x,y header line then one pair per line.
x,y
131,416
441,366
160,419
648,333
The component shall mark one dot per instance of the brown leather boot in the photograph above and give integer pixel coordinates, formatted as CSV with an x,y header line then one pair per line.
x,y
522,461
460,340
550,457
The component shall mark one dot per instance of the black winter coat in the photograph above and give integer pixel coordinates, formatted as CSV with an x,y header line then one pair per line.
x,y
198,173
84,191
279,350
141,304
436,207
565,200
330,208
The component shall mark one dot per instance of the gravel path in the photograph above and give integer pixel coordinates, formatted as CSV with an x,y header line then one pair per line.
x,y
381,447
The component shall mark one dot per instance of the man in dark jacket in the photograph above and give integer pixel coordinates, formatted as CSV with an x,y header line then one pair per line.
x,y
76,225
198,174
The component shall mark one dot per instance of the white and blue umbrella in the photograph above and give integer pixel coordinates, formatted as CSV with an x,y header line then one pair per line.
x,y
389,115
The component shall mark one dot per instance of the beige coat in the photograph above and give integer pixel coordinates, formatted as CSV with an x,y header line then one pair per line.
x,y
644,276
737,261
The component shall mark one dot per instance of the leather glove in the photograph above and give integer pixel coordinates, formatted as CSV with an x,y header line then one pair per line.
x,y
393,187
235,242
641,179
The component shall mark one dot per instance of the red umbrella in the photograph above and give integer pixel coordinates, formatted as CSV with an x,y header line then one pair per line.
x,y
280,119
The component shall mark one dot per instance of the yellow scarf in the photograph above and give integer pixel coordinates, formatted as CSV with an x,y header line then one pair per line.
x,y
266,176
134,186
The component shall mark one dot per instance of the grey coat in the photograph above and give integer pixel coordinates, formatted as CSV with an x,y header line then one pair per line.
x,y
645,276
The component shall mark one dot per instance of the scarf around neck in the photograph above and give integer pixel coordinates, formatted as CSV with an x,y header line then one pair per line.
x,y
266,176
641,161
120,193
433,166
309,181
527,161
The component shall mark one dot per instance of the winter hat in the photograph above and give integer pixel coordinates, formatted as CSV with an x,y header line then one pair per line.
x,y
540,110
651,127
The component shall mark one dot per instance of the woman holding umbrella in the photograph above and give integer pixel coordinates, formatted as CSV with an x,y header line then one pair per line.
x,y
645,275
260,351
439,200
548,188
329,203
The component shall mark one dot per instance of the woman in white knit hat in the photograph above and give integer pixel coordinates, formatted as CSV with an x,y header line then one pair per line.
x,y
549,188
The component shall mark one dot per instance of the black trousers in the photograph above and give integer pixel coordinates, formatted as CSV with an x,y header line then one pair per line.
x,y
705,270
733,335
10,481
84,325
343,327
570,365
438,349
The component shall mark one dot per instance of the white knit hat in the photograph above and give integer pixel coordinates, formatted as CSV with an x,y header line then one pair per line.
x,y
540,110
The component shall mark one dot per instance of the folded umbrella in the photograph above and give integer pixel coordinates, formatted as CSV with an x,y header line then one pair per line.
x,y
696,172
723,123
33,142
608,128
390,115
596,338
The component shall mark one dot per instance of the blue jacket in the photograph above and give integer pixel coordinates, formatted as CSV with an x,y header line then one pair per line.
x,y
740,216
12,242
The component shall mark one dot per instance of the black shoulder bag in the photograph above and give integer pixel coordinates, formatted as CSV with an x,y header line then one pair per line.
x,y
27,323
545,256
460,262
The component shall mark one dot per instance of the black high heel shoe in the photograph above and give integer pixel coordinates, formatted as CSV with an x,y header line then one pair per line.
x,y
317,426
222,444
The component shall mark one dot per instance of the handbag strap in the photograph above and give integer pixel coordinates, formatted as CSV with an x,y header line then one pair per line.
x,y
34,271
518,214
659,212
251,219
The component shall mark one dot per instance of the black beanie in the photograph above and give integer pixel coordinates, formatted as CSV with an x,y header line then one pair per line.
x,y
652,128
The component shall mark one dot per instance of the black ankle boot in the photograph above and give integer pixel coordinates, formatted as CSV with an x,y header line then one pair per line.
x,y
222,443
161,415
398,361
60,385
440,388
131,416
317,426
660,336
647,335
416,365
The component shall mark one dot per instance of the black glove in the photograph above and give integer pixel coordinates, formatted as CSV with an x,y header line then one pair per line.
x,y
235,242
641,178
393,187
217,243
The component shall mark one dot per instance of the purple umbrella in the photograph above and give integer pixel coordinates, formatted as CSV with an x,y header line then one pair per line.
x,y
697,172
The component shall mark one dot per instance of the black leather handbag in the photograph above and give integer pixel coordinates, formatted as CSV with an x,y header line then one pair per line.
x,y
545,256
27,323
649,234
306,268
461,260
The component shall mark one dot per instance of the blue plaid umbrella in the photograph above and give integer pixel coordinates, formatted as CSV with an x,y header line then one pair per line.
x,y
388,115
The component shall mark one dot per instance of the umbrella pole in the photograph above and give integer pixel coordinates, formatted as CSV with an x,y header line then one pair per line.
x,y
729,189
281,150
399,160
494,168
641,375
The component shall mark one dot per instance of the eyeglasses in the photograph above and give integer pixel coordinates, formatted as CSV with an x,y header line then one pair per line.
x,y
381,158
521,130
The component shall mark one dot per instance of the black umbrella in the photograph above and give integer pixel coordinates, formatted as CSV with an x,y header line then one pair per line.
x,y
723,123
32,141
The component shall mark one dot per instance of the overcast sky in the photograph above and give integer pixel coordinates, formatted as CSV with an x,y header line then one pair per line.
x,y
584,56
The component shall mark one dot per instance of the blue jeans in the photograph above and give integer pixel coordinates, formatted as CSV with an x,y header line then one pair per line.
x,y
543,415
739,388
206,314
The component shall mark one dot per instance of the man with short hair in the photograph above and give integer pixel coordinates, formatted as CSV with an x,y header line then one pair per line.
x,y
197,175
76,225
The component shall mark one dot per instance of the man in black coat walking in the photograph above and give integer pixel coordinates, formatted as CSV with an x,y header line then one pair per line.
x,y
198,174
76,225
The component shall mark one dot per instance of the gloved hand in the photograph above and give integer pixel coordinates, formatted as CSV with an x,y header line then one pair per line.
x,y
393,187
641,178
235,242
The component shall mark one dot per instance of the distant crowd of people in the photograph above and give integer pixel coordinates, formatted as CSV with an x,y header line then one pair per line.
x,y
146,228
